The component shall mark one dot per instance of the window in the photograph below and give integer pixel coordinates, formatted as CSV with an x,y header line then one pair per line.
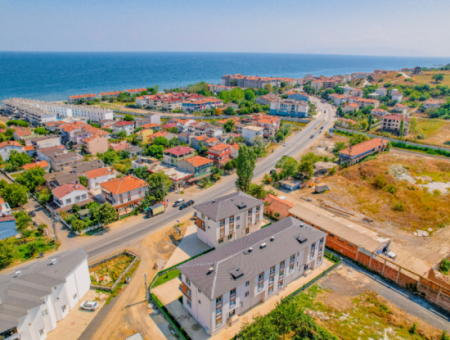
x,y
188,282
261,281
68,201
199,291
220,240
199,302
232,313
75,296
41,332
247,231
247,294
238,218
188,302
247,283
250,216
313,249
44,312
63,308
230,237
232,297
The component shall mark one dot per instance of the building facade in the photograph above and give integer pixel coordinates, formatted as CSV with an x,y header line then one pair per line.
x,y
289,107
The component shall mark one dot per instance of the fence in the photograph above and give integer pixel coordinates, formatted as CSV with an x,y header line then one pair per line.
x,y
109,289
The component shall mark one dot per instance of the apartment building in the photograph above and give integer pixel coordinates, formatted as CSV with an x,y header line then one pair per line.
x,y
36,296
392,123
250,132
221,285
323,82
107,95
338,99
359,75
80,169
195,105
363,102
87,97
97,176
43,142
136,91
255,81
298,95
125,193
173,155
289,107
271,125
267,99
127,127
64,161
199,166
95,144
171,104
228,218
7,147
219,154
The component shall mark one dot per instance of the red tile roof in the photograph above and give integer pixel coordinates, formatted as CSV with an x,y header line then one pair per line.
x,y
136,90
122,185
149,126
169,125
42,164
360,148
98,173
28,148
219,147
23,132
83,96
5,144
179,150
109,93
124,123
198,161
66,189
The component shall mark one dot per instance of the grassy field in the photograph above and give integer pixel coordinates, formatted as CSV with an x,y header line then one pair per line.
x,y
436,131
426,78
375,190
166,277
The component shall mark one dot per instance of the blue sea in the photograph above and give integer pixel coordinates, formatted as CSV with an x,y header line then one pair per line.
x,y
55,76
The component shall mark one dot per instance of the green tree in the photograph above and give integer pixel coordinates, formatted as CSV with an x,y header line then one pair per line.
x,y
141,173
158,185
161,141
76,207
19,158
14,194
229,125
358,138
125,154
128,118
109,156
229,111
250,95
339,146
106,214
288,166
245,165
83,148
340,112
412,126
6,253
32,178
83,181
156,151
438,77
257,191
78,225
121,134
370,121
40,131
306,168
402,128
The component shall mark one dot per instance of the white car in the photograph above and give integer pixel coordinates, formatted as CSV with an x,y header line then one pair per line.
x,y
89,305
285,144
179,202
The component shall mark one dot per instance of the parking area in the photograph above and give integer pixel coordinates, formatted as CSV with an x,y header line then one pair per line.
x,y
71,327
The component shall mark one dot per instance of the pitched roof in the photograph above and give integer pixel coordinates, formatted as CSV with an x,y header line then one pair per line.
x,y
83,96
42,164
98,173
198,161
219,147
201,138
179,150
278,205
28,148
122,185
136,90
149,126
66,189
235,146
124,123
92,165
228,205
364,147
109,93
22,132
235,254
9,143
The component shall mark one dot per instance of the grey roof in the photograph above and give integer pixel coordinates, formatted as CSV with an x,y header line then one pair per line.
x,y
64,157
227,205
235,254
61,177
20,293
133,149
95,164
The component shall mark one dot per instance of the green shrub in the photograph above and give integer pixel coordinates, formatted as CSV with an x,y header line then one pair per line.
x,y
399,206
445,266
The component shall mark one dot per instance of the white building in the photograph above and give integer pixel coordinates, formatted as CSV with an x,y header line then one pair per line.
x,y
289,108
36,296
69,194
219,286
127,127
228,218
397,95
250,132
98,176
7,147
381,91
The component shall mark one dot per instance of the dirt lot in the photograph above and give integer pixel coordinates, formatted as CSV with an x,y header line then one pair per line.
x,y
129,314
354,306
436,131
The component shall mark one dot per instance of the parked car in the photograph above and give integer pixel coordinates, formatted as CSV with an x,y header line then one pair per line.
x,y
312,136
89,305
179,202
191,202
285,144
31,213
183,206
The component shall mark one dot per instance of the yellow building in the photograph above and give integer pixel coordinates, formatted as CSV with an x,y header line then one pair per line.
x,y
144,134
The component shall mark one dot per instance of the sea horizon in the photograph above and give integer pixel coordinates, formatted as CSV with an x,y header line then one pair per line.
x,y
57,75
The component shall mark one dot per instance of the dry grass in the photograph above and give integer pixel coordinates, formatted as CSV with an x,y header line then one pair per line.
x,y
400,202
426,78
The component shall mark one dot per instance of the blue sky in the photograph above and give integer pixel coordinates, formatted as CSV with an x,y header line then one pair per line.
x,y
357,27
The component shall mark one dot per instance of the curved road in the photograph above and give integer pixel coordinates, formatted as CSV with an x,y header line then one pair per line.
x,y
127,235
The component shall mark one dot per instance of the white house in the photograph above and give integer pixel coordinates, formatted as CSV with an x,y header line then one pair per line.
x,y
223,284
250,132
397,95
36,296
97,176
123,125
381,91
69,194
7,147
228,218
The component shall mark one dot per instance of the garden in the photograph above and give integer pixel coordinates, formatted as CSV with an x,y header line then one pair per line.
x,y
107,273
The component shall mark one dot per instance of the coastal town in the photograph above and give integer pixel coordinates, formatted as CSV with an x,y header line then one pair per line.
x,y
256,206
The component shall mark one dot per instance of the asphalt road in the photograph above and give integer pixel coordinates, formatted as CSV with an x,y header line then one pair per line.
x,y
296,143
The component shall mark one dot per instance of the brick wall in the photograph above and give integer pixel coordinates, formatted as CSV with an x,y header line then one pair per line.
x,y
377,265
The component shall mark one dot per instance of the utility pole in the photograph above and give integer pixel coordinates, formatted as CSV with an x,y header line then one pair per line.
x,y
146,288
55,237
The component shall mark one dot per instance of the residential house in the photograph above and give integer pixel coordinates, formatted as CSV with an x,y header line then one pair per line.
x,y
251,132
289,107
323,168
43,164
54,126
57,179
126,126
392,123
196,105
30,150
124,193
255,81
221,285
431,104
43,142
36,296
7,147
276,207
359,75
143,136
350,107
298,95
363,102
134,150
324,82
271,125
153,126
87,97
108,123
119,146
170,126
357,92
108,95
345,122
184,137
199,166
64,161
136,91
226,136
210,142
197,141
167,135
181,124
290,184
80,169
219,154
396,96
20,133
171,104
174,155
97,176
43,154
267,99
356,153
69,194
228,218
234,150
150,118
379,112
400,108
338,99
350,239
238,128
95,144
381,91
